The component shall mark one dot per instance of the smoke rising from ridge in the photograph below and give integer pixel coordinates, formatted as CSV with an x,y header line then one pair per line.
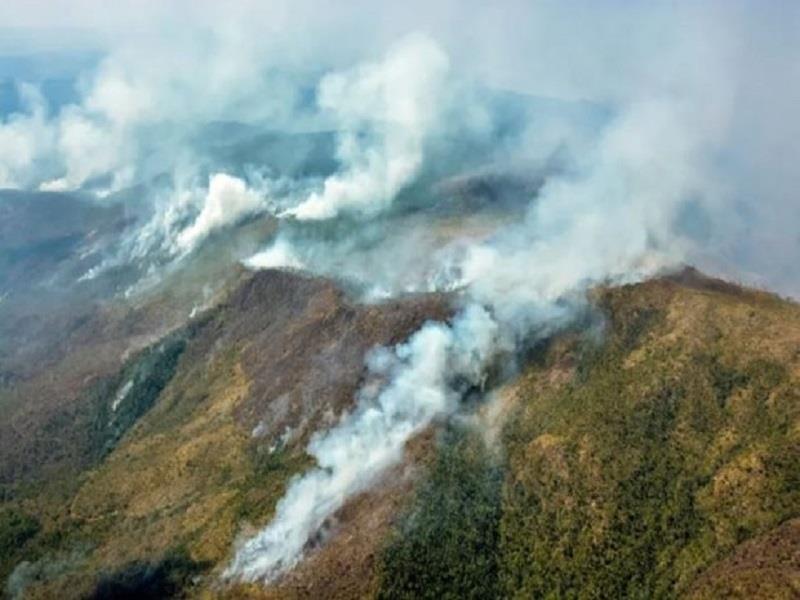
x,y
228,201
384,112
421,374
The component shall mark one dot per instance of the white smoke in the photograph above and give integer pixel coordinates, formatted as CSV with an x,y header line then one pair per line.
x,y
24,137
184,66
141,106
227,202
351,455
384,112
613,220
280,254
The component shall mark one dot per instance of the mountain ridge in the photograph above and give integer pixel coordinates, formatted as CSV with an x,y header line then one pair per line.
x,y
280,357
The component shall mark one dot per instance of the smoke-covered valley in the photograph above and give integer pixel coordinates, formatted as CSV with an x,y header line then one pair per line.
x,y
444,187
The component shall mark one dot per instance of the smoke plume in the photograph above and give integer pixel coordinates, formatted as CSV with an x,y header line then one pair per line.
x,y
228,200
422,376
384,113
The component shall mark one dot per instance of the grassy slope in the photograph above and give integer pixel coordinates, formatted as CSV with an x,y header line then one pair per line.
x,y
639,466
182,481
668,446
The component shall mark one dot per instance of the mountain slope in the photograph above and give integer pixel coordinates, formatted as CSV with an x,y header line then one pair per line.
x,y
188,453
654,453
639,463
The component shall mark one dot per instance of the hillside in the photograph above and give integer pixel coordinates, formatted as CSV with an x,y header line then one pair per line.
x,y
192,437
655,453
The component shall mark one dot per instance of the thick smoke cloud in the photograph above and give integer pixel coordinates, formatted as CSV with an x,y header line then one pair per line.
x,y
612,220
384,112
23,138
228,201
171,68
